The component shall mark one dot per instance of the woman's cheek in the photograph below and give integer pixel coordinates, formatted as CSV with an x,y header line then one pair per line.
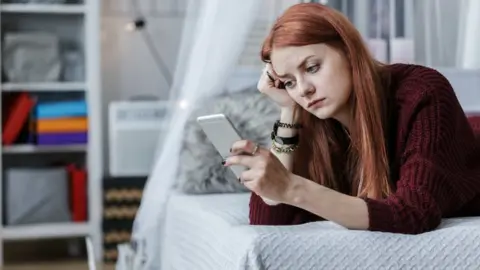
x,y
295,97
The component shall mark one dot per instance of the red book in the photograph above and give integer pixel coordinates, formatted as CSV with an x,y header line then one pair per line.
x,y
78,193
16,110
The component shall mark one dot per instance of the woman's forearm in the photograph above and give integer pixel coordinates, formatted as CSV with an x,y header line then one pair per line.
x,y
286,116
348,211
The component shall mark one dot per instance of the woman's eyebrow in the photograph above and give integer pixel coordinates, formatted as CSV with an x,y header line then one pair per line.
x,y
299,66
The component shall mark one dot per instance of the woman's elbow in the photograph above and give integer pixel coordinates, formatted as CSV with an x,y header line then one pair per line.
x,y
418,222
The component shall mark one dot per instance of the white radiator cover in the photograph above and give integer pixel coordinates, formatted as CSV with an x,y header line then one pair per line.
x,y
134,131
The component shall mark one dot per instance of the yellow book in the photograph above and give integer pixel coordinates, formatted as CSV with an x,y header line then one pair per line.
x,y
62,125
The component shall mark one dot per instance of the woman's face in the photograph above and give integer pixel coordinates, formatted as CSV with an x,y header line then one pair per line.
x,y
317,77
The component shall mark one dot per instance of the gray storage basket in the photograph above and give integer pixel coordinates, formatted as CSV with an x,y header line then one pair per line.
x,y
31,57
36,195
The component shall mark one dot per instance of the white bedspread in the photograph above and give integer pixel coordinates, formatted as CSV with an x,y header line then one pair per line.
x,y
210,232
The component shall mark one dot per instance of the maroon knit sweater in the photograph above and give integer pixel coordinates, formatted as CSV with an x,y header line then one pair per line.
x,y
436,157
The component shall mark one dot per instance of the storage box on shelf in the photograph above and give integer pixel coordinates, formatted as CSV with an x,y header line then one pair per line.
x,y
38,49
50,90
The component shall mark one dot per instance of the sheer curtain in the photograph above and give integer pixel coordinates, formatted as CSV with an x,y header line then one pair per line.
x,y
468,46
212,41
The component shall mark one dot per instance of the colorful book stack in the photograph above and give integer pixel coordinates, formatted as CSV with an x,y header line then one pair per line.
x,y
63,122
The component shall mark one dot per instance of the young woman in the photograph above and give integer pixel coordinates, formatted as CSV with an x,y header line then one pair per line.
x,y
368,146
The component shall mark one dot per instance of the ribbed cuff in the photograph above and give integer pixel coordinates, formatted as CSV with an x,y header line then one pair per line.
x,y
380,216
264,214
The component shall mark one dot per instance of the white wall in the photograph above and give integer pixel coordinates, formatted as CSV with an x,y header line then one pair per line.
x,y
128,68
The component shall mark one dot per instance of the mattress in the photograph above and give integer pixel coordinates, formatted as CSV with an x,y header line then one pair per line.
x,y
208,232
198,231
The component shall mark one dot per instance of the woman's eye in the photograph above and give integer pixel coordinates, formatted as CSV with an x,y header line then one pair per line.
x,y
313,69
289,84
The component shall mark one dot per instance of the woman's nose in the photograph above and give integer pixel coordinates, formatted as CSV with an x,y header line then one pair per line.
x,y
307,89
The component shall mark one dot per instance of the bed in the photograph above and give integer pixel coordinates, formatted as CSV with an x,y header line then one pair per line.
x,y
208,232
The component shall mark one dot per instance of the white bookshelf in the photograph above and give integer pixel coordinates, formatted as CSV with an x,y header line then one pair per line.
x,y
43,8
78,23
32,149
46,231
44,87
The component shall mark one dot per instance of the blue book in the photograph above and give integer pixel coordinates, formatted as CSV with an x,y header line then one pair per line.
x,y
61,109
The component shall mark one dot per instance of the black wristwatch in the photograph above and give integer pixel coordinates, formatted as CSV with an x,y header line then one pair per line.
x,y
284,140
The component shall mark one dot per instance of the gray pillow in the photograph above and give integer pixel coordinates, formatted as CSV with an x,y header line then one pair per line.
x,y
200,170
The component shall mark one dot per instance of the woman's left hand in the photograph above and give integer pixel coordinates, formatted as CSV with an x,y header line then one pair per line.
x,y
266,175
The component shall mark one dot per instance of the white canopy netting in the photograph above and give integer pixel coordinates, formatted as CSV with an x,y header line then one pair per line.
x,y
214,36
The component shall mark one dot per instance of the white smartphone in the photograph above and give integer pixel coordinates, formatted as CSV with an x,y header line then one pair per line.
x,y
221,132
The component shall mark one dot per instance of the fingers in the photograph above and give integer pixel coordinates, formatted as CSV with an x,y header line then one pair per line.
x,y
246,147
269,72
272,77
251,179
267,79
246,153
242,160
248,176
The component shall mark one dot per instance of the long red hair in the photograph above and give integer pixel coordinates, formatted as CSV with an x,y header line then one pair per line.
x,y
354,162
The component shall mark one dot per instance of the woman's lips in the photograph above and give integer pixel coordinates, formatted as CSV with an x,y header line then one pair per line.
x,y
316,102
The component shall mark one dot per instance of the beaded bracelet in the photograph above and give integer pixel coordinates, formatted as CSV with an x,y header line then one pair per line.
x,y
284,149
287,125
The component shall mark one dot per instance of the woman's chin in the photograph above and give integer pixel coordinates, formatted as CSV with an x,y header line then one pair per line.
x,y
322,113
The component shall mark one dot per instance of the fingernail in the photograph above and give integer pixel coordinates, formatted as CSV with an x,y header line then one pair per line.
x,y
230,150
270,77
223,162
239,180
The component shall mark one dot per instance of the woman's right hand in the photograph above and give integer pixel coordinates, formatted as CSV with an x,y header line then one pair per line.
x,y
268,85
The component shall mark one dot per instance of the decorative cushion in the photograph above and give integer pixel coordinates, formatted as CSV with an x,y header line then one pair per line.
x,y
200,170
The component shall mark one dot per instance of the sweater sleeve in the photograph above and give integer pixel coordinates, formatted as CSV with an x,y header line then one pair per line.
x,y
433,178
264,214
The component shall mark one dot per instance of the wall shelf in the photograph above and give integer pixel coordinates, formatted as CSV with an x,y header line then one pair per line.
x,y
36,149
43,8
46,231
44,87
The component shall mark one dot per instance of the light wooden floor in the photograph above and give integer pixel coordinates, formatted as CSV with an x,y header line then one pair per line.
x,y
56,266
